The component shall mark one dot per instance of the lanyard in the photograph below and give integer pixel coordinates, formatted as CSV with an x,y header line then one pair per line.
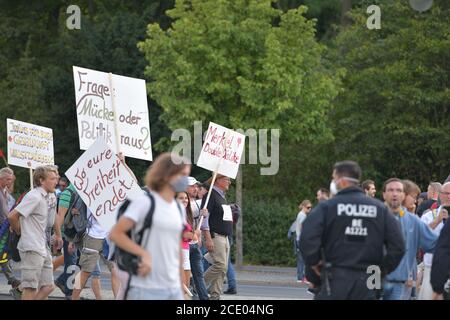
x,y
402,223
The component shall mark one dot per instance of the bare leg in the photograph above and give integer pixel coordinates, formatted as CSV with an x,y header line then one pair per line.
x,y
29,294
187,278
80,282
96,288
44,292
115,282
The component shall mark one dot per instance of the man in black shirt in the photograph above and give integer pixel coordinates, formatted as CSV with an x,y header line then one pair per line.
x,y
220,222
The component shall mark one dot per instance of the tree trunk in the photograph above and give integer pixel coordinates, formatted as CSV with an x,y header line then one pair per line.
x,y
53,19
346,6
91,8
239,238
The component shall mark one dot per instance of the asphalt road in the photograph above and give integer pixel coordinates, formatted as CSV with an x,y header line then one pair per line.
x,y
244,291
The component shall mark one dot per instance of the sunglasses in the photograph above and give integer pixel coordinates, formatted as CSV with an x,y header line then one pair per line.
x,y
308,207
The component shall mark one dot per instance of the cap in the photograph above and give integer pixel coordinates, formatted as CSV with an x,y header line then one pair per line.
x,y
192,181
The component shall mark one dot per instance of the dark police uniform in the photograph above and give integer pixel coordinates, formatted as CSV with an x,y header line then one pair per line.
x,y
350,232
440,268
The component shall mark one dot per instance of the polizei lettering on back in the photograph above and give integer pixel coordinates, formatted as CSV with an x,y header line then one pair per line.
x,y
357,210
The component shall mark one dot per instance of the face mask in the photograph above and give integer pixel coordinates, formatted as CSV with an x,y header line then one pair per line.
x,y
333,188
181,184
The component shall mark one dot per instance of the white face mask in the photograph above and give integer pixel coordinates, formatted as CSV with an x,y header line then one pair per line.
x,y
333,188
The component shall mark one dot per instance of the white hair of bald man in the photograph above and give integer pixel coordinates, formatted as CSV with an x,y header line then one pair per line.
x,y
445,185
5,172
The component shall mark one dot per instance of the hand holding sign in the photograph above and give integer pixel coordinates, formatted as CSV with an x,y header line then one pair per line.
x,y
102,181
221,153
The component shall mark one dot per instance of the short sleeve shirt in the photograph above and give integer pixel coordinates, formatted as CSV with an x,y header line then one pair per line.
x,y
428,217
164,241
34,212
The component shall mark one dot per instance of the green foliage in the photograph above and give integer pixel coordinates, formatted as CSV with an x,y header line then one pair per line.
x,y
227,61
266,224
380,97
393,114
37,53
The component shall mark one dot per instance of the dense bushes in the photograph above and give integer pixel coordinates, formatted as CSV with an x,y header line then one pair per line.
x,y
265,226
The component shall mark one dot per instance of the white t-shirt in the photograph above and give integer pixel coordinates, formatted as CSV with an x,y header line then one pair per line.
x,y
428,217
301,216
95,230
164,242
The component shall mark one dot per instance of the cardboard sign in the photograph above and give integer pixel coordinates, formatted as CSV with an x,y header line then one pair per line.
x,y
94,94
103,182
29,145
222,150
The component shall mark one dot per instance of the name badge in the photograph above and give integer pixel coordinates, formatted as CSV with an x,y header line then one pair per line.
x,y
227,215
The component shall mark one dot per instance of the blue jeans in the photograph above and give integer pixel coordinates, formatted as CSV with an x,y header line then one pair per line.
x,y
206,264
231,275
136,293
396,291
300,266
196,258
69,260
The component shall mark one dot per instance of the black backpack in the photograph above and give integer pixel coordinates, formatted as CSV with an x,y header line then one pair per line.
x,y
125,260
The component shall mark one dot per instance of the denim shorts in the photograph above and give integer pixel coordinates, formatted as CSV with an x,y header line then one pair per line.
x,y
97,271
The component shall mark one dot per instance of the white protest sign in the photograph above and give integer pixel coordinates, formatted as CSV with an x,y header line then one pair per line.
x,y
103,182
227,214
222,150
94,94
29,145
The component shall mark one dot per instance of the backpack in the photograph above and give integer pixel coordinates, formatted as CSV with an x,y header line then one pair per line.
x,y
125,260
76,222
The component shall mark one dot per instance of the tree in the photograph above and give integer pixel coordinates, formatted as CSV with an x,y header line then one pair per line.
x,y
242,64
393,114
37,53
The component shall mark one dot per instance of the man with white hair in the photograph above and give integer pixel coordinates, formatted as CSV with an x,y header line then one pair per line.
x,y
432,194
435,219
6,180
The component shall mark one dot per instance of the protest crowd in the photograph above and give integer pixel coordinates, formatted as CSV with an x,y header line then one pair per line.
x,y
50,228
333,255
182,249
169,237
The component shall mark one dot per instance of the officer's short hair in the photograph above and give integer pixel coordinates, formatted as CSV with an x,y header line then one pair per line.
x,y
366,184
325,191
393,180
348,168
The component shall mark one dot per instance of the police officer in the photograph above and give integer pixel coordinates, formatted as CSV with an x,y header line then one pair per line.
x,y
440,268
345,235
